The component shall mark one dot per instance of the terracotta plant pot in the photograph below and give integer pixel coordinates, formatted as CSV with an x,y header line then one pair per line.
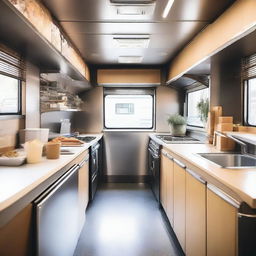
x,y
178,129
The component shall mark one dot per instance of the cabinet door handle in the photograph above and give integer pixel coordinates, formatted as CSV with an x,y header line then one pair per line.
x,y
246,215
196,176
164,153
224,195
179,163
83,162
169,156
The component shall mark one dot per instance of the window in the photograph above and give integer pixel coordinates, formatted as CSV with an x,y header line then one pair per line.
x,y
193,99
9,95
12,72
250,100
127,111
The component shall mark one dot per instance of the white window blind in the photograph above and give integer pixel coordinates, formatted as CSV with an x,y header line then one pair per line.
x,y
249,67
11,64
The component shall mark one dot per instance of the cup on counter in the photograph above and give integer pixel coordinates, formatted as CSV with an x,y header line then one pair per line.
x,y
34,150
52,150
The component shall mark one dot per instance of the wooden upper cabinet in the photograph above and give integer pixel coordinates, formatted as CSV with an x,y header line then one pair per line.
x,y
195,215
222,224
236,21
179,201
129,76
43,22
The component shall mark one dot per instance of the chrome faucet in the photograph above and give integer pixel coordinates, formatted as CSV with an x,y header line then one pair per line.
x,y
240,142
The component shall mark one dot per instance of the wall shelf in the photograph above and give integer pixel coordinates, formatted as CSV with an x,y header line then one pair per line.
x,y
17,33
61,110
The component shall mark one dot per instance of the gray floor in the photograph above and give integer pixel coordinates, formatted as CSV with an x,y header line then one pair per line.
x,y
124,220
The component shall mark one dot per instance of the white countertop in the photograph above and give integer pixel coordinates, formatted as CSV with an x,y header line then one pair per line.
x,y
239,183
16,182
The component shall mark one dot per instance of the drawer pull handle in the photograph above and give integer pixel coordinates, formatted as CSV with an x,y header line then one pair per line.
x,y
179,163
196,176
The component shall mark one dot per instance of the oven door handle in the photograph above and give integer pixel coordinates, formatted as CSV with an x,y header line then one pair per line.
x,y
153,153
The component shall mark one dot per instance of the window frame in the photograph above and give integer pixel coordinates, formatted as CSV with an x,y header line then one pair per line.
x,y
133,128
19,112
246,102
198,88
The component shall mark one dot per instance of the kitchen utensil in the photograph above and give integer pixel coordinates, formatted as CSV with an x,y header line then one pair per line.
x,y
34,150
52,150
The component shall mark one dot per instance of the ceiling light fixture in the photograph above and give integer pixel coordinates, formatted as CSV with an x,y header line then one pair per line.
x,y
130,59
167,8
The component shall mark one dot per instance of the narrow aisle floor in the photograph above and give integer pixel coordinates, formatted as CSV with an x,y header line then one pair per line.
x,y
124,220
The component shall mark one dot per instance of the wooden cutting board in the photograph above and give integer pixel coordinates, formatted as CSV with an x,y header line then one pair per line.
x,y
210,126
217,113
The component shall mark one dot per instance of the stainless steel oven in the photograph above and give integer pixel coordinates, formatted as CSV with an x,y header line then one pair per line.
x,y
154,167
94,170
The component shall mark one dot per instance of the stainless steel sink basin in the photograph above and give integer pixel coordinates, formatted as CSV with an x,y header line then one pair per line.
x,y
230,160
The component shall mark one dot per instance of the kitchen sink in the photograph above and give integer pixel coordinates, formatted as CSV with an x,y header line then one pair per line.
x,y
230,160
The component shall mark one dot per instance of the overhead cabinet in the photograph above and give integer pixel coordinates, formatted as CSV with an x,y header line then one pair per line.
x,y
128,77
28,27
236,22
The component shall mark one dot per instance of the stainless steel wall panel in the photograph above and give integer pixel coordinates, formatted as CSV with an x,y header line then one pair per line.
x,y
125,153
167,102
90,120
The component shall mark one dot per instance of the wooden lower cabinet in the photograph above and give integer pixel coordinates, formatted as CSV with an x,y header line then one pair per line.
x,y
169,191
195,215
166,185
16,237
203,217
221,226
179,201
83,189
163,180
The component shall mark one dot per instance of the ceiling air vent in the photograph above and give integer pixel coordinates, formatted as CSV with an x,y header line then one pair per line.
x,y
133,7
131,42
130,59
133,2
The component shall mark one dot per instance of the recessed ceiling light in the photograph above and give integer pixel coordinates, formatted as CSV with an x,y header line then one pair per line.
x,y
167,8
130,10
163,53
131,41
130,59
95,54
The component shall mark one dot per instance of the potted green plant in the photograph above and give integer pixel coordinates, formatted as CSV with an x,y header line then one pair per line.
x,y
177,125
203,109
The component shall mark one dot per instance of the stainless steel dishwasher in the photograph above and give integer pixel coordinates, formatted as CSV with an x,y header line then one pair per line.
x,y
57,216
